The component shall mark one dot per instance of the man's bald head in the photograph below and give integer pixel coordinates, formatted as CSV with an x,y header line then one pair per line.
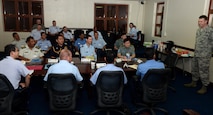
x,y
65,54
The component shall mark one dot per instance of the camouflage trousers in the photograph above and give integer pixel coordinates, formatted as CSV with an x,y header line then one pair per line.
x,y
200,69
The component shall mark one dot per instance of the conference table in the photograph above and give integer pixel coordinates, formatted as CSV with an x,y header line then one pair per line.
x,y
84,67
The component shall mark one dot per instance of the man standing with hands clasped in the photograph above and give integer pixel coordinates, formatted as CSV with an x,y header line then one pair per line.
x,y
202,55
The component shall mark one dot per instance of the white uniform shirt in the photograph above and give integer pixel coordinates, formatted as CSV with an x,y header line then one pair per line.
x,y
31,54
64,67
13,70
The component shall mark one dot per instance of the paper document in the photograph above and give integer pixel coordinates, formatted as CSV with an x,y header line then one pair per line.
x,y
52,60
31,72
134,66
85,60
99,65
118,60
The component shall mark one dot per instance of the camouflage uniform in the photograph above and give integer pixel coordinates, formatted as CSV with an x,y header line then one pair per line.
x,y
202,55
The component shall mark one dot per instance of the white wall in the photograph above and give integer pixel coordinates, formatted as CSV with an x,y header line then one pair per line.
x,y
180,24
180,20
74,14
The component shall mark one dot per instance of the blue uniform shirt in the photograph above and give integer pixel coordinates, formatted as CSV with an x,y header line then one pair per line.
x,y
64,67
36,34
149,64
108,67
43,44
79,42
13,70
99,43
88,51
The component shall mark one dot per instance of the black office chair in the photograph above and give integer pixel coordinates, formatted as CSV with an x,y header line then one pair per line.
x,y
6,97
62,90
154,85
170,62
109,87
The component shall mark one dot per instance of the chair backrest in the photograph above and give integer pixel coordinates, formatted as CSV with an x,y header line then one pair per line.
x,y
62,89
155,84
140,37
171,60
6,95
109,88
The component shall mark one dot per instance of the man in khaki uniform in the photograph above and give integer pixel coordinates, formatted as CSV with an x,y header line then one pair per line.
x,y
202,55
30,51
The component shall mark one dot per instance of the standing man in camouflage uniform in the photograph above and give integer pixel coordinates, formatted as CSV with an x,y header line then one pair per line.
x,y
202,55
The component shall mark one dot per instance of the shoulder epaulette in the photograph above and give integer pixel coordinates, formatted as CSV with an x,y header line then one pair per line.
x,y
23,47
37,47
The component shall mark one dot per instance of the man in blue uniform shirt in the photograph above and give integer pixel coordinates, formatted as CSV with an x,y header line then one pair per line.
x,y
80,42
110,57
43,43
36,33
99,45
13,69
87,50
150,63
64,66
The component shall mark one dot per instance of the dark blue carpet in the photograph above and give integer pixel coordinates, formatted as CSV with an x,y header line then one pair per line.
x,y
183,98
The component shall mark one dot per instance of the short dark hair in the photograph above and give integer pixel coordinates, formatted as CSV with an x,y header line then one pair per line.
x,y
110,56
14,34
125,40
149,53
204,17
42,33
88,36
123,34
59,36
9,48
29,38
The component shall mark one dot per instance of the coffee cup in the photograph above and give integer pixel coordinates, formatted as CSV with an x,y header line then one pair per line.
x,y
92,64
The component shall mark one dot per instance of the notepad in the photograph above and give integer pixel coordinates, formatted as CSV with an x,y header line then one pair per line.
x,y
118,60
52,60
85,60
134,66
99,65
